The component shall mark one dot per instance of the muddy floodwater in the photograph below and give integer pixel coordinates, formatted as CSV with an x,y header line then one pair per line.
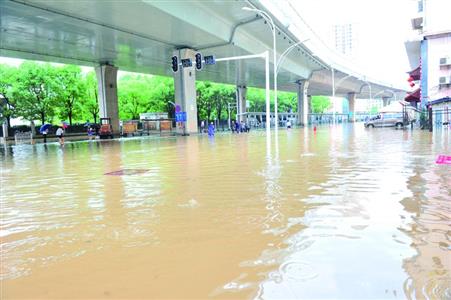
x,y
343,212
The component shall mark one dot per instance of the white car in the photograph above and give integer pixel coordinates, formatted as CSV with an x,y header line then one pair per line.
x,y
386,120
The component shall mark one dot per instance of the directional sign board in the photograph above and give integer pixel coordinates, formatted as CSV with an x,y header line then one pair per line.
x,y
209,60
180,116
186,63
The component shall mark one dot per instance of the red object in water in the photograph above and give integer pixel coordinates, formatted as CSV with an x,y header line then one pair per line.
x,y
412,84
443,160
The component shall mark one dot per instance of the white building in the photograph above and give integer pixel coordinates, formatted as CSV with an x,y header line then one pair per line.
x,y
345,39
429,53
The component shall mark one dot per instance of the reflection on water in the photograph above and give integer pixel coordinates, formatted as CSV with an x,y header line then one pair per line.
x,y
341,213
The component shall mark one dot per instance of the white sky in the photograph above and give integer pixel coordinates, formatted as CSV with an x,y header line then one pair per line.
x,y
382,26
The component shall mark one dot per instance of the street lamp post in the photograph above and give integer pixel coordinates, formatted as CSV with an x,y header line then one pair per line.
x,y
265,56
334,88
369,87
285,53
273,28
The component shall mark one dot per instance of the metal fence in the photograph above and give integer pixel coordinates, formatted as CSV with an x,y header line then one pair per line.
x,y
327,118
441,117
23,137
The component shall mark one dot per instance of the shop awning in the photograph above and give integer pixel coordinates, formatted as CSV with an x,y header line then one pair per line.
x,y
414,96
441,100
415,73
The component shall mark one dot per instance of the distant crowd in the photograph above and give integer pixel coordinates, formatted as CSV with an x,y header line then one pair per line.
x,y
239,127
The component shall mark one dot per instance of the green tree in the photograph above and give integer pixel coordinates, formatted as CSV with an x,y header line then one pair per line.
x,y
71,89
320,104
257,99
220,95
374,110
162,94
8,110
90,102
287,102
35,92
134,94
205,104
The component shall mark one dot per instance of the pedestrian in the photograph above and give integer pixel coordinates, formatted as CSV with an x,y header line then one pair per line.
x,y
237,126
90,133
211,129
232,126
44,134
202,126
60,135
288,125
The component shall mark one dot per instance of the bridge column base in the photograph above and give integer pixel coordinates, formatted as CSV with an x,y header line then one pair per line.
x,y
351,101
303,102
241,92
185,92
108,103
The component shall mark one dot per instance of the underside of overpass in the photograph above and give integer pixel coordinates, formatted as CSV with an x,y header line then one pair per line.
x,y
141,36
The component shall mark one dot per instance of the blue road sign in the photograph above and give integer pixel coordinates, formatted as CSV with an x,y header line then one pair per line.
x,y
209,60
180,116
186,63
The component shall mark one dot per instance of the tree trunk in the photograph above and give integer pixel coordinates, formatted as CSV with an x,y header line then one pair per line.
x,y
219,109
198,115
33,129
42,118
8,123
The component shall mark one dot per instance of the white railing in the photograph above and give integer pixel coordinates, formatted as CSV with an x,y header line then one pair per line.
x,y
23,137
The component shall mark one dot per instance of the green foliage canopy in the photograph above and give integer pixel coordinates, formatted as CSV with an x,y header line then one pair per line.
x,y
320,104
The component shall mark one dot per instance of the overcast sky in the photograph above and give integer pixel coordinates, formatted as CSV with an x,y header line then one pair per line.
x,y
382,27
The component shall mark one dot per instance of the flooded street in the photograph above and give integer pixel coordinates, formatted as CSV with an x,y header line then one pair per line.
x,y
345,212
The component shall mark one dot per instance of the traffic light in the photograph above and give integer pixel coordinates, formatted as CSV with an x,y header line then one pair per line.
x,y
198,61
175,64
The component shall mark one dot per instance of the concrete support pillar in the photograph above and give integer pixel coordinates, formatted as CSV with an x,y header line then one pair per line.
x,y
108,103
351,101
185,91
385,101
303,102
241,92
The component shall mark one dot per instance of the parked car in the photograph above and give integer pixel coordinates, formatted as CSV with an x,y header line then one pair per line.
x,y
386,120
